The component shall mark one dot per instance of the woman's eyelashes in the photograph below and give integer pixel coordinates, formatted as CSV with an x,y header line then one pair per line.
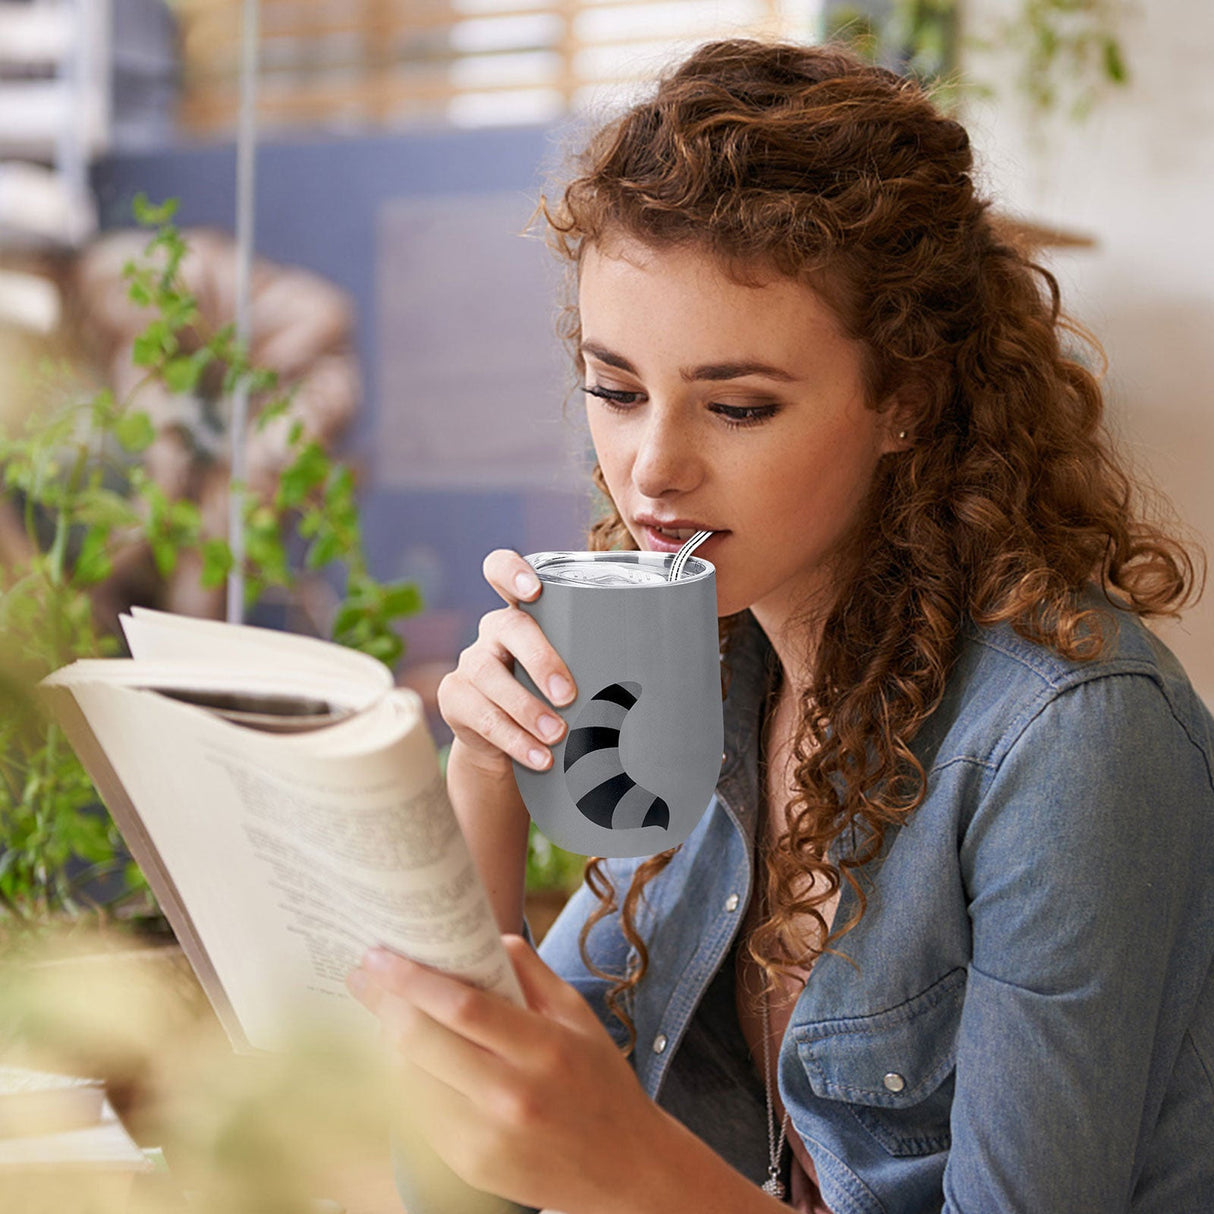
x,y
736,416
744,415
612,396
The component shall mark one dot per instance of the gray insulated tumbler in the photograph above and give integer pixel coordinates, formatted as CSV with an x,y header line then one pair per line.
x,y
639,763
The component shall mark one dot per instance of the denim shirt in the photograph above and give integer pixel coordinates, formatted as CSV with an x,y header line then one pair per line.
x,y
1023,1018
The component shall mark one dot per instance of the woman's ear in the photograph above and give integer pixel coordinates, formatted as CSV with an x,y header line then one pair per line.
x,y
899,418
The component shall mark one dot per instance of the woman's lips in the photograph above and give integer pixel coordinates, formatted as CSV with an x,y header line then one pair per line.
x,y
659,541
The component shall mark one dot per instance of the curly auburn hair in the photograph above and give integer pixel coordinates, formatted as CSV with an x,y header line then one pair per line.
x,y
809,163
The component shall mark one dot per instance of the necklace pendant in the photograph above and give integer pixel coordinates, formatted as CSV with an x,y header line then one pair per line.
x,y
773,1186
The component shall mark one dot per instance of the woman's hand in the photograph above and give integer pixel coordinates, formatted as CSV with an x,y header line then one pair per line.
x,y
534,1104
493,717
496,719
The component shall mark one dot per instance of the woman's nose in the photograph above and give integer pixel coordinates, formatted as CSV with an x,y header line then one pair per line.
x,y
666,460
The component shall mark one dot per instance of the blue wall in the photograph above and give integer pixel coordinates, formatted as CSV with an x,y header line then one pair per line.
x,y
319,206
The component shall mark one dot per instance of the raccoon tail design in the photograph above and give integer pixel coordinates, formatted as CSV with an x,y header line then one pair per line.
x,y
601,788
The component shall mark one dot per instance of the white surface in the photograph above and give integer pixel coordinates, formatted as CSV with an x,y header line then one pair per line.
x,y
1138,176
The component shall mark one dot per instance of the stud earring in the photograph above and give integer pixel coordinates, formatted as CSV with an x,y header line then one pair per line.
x,y
902,436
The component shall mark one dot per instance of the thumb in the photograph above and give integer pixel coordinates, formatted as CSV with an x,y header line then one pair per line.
x,y
544,990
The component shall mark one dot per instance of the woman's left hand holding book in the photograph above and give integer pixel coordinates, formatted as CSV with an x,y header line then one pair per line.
x,y
536,1104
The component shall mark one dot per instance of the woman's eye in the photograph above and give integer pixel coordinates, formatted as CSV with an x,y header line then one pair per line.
x,y
613,396
745,415
735,416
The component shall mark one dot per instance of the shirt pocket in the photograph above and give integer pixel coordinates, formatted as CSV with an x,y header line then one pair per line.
x,y
894,1069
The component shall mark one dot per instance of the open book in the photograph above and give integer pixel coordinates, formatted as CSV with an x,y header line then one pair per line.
x,y
285,803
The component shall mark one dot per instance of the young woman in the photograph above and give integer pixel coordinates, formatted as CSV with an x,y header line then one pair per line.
x,y
944,937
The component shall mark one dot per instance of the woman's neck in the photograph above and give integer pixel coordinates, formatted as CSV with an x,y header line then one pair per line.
x,y
795,644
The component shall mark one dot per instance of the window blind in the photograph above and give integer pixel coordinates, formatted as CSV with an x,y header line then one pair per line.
x,y
337,64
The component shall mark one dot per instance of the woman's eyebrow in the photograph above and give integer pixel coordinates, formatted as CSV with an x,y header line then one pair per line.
x,y
708,371
607,357
735,371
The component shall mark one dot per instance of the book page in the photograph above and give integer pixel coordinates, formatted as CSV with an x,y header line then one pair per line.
x,y
39,1102
294,853
102,1144
175,675
160,636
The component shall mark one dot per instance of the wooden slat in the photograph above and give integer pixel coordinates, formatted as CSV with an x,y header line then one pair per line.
x,y
388,79
212,74
205,37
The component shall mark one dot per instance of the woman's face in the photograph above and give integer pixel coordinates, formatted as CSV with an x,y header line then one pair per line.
x,y
738,409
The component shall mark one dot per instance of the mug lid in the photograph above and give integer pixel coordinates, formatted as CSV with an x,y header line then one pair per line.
x,y
615,569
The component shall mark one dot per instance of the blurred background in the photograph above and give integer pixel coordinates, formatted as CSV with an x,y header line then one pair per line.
x,y
402,148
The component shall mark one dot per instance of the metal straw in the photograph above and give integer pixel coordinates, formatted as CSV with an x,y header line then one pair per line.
x,y
680,558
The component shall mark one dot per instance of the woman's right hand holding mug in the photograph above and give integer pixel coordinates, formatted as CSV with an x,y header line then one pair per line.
x,y
495,720
493,716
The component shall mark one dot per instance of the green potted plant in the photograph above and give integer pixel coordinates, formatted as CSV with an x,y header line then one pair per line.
x,y
78,494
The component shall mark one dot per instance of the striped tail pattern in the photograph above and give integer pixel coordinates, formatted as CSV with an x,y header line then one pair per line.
x,y
601,788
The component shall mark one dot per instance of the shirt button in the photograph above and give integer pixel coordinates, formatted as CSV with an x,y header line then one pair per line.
x,y
731,903
893,1082
659,1043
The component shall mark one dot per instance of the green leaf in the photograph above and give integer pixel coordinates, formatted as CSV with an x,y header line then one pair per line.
x,y
341,484
401,599
139,294
93,562
146,350
149,214
1114,62
181,373
178,310
104,409
134,430
184,515
274,409
164,552
99,507
221,342
347,617
386,646
154,495
261,379
216,563
308,472
323,550
310,523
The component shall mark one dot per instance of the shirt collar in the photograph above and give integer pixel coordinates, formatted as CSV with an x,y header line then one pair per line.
x,y
750,666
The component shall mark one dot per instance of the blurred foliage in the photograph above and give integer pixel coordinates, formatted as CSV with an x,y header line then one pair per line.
x,y
73,473
550,867
916,37
1070,51
242,1134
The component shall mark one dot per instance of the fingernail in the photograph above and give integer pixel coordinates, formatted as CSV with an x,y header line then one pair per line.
x,y
538,758
377,959
526,584
560,689
550,727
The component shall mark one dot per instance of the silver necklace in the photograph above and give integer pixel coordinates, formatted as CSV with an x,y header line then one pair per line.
x,y
775,1146
775,1143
